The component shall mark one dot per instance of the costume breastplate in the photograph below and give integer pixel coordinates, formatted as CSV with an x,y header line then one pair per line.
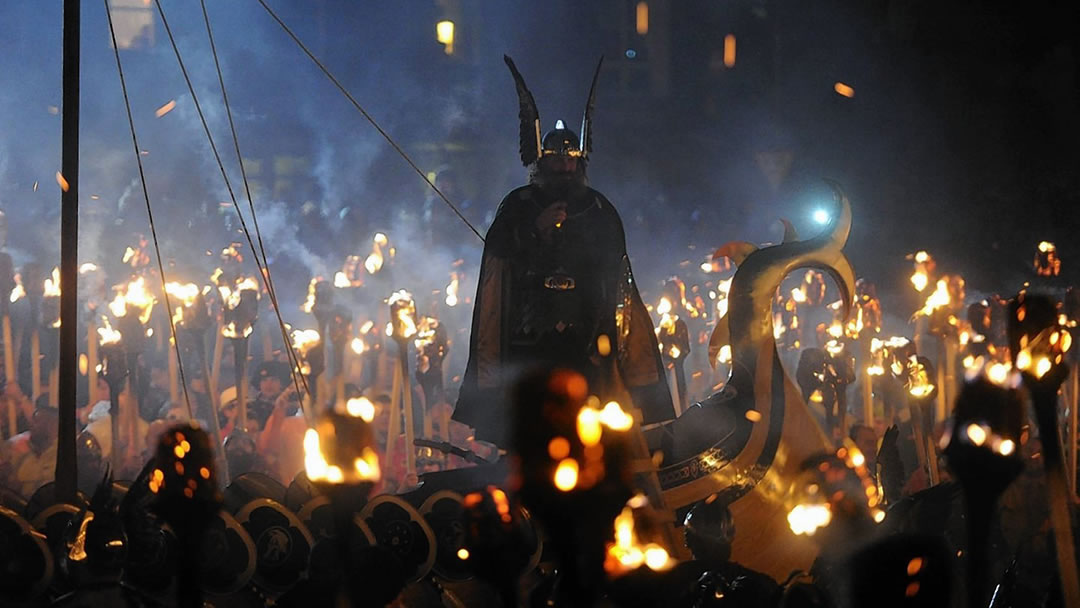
x,y
552,297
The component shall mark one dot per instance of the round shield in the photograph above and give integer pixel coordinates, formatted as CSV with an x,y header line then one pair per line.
x,y
227,556
300,491
52,521
444,512
44,497
26,564
317,516
399,528
282,544
325,565
151,560
251,486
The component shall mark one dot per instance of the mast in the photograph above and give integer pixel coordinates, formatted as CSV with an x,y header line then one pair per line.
x,y
66,476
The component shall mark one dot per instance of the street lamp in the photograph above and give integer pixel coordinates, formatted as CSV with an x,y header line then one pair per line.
x,y
444,33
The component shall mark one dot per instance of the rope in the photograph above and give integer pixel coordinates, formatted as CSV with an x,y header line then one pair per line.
x,y
149,213
294,363
371,120
263,273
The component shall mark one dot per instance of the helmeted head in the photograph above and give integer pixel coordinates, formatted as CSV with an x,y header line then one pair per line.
x,y
710,530
561,141
562,154
270,378
562,162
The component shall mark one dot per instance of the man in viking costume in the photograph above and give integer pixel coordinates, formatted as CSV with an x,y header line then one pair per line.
x,y
556,287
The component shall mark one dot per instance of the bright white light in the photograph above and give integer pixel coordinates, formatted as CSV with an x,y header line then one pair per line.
x,y
821,216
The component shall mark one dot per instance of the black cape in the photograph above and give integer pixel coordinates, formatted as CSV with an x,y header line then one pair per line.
x,y
518,271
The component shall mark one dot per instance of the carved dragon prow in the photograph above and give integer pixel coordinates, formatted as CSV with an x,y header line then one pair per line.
x,y
746,442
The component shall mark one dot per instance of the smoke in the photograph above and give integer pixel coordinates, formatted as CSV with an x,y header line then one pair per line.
x,y
282,237
692,156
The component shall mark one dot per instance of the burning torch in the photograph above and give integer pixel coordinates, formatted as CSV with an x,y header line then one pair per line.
x,y
333,331
192,318
673,337
114,370
132,308
338,333
431,347
942,322
91,293
981,442
241,308
307,344
50,323
1047,263
1038,340
32,283
401,328
341,461
921,394
7,286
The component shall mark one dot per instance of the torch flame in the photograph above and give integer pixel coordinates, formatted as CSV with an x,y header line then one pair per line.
x,y
231,330
304,339
233,296
452,291
17,292
722,290
186,293
998,373
374,261
106,333
836,330
628,553
664,307
358,346
566,475
309,303
919,384
919,280
404,311
805,519
364,468
133,295
724,356
939,299
1047,262
361,407
613,417
52,284
591,421
425,331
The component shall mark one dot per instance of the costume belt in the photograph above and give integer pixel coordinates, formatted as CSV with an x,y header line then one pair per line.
x,y
560,282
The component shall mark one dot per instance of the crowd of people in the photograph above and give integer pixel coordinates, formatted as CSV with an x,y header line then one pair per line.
x,y
573,449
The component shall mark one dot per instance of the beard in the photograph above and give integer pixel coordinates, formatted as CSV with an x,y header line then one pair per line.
x,y
559,185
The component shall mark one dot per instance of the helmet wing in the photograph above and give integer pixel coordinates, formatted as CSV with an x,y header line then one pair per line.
x,y
586,121
529,117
